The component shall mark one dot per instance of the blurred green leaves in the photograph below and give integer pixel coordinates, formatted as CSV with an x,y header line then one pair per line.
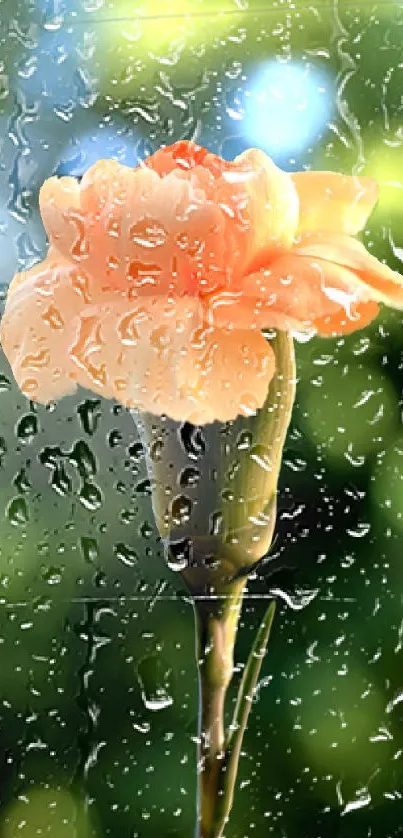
x,y
349,410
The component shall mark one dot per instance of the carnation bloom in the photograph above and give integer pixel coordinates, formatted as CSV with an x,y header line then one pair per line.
x,y
159,280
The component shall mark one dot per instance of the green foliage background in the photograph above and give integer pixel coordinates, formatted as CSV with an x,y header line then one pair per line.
x,y
98,688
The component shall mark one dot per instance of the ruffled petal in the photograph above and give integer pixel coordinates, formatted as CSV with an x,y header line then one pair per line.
x,y
153,235
360,315
186,156
38,328
157,356
129,351
225,374
272,207
296,293
373,279
106,191
173,238
332,202
258,201
64,221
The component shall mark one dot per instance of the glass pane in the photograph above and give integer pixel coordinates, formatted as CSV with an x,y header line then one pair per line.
x,y
98,682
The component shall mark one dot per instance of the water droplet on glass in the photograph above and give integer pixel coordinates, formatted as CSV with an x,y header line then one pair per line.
x,y
189,477
27,427
153,684
115,438
181,508
89,549
136,452
90,496
5,384
125,554
61,482
83,458
17,512
53,576
89,414
192,440
178,554
296,601
360,531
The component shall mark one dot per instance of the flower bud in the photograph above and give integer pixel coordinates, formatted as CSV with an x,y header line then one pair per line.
x,y
214,487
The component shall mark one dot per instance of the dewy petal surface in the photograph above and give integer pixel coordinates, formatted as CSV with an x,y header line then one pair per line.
x,y
228,372
293,293
333,202
65,223
160,279
374,279
359,315
38,328
272,208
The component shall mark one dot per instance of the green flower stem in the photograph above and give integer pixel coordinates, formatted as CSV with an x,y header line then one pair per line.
x,y
218,753
216,628
221,525
243,707
216,633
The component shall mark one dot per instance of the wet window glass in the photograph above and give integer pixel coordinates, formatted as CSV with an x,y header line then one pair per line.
x,y
99,683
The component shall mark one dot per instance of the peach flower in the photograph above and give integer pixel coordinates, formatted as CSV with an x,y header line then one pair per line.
x,y
159,280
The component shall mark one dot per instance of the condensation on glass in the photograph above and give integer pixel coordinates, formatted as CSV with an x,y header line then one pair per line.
x,y
98,690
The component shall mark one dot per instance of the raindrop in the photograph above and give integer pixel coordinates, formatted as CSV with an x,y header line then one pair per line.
x,y
144,487
189,477
260,454
296,601
359,803
89,414
61,482
216,522
21,481
52,575
27,427
192,440
3,448
125,554
5,384
153,684
362,529
49,457
145,529
136,451
17,512
244,440
90,496
156,450
89,549
83,458
397,699
114,438
181,508
178,554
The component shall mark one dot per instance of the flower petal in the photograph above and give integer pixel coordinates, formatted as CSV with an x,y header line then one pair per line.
x,y
38,328
153,235
373,279
361,315
333,202
235,311
225,374
185,155
295,293
64,221
128,351
258,201
173,238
